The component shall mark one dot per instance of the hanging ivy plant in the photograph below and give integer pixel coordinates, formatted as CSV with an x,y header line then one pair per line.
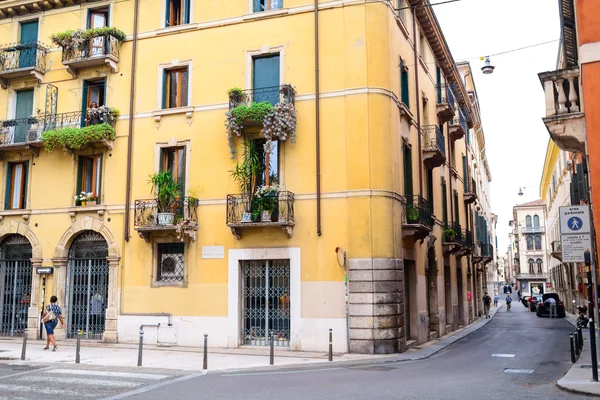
x,y
74,39
70,139
234,122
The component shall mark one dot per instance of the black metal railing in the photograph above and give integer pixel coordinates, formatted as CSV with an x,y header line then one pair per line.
x,y
434,138
99,46
238,205
146,212
25,130
468,238
461,120
470,186
445,95
418,211
453,233
17,56
487,250
272,94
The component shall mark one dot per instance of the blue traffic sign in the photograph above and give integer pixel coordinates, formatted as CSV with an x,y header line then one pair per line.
x,y
575,223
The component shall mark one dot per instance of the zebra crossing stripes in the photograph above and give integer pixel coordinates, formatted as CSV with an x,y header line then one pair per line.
x,y
111,374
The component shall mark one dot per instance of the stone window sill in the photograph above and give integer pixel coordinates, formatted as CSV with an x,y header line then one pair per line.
x,y
266,14
175,29
24,213
158,114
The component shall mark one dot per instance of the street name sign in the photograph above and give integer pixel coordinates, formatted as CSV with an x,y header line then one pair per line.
x,y
575,220
44,270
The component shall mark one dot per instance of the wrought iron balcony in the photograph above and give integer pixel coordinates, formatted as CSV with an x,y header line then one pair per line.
x,y
487,251
453,239
470,194
272,95
100,50
564,120
184,223
242,212
458,126
532,229
418,217
446,103
18,60
557,250
468,239
434,147
26,133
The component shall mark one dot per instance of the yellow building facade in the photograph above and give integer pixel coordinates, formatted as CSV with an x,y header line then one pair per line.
x,y
370,231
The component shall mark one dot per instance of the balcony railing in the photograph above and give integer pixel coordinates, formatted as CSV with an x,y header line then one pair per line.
x,y
468,239
272,95
29,130
18,56
454,234
418,211
434,139
532,229
146,215
487,250
242,213
446,96
98,46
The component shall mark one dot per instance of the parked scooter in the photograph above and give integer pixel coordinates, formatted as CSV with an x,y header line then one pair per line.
x,y
582,320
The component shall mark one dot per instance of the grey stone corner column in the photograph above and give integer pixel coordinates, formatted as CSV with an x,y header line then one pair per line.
x,y
110,324
33,313
58,290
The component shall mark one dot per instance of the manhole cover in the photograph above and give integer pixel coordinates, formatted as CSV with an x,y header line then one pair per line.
x,y
375,368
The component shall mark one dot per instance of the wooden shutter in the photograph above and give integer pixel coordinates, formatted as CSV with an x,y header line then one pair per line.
x,y
84,105
465,174
438,75
9,172
569,34
78,186
257,6
404,84
99,177
181,171
444,203
430,186
408,180
24,188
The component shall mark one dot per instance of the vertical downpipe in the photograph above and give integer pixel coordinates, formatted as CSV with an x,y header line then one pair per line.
x,y
418,102
131,116
317,119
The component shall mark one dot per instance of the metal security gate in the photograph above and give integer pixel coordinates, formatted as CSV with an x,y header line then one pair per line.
x,y
15,284
266,302
87,285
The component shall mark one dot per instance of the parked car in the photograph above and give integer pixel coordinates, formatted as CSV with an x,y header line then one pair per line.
x,y
534,301
525,301
543,308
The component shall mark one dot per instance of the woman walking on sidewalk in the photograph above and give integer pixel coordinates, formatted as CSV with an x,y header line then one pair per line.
x,y
52,314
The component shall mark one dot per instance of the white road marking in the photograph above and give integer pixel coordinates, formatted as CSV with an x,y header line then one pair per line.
x,y
280,372
152,387
518,371
57,392
79,381
503,355
31,371
154,377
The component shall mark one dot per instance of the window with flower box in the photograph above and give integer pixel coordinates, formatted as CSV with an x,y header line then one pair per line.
x,y
89,178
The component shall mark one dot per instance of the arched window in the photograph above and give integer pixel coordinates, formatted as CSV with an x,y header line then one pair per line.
x,y
539,265
528,221
531,265
529,243
536,221
538,242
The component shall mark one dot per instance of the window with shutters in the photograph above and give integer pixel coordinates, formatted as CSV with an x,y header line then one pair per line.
x,y
430,187
444,203
456,208
177,12
173,160
89,173
266,5
16,186
404,97
408,174
170,264
175,88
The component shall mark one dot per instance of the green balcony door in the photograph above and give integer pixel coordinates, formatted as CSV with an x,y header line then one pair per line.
x,y
24,109
29,36
265,79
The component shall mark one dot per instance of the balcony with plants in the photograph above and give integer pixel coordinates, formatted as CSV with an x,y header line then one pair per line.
x,y
434,146
69,132
446,103
168,211
257,206
453,239
458,126
89,48
19,60
418,222
269,111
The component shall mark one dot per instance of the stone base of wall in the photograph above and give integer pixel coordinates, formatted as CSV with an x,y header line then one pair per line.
x,y
376,305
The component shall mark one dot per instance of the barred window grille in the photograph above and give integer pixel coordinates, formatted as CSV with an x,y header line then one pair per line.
x,y
171,265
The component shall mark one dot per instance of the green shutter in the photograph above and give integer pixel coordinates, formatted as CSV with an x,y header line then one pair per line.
x,y
84,104
99,194
168,13
9,170
181,169
438,75
408,183
465,174
445,203
186,11
430,186
79,175
164,89
456,208
404,85
256,5
25,180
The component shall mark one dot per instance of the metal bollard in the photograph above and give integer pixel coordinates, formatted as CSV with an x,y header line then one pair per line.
x,y
577,349
572,348
205,363
272,350
330,344
580,334
141,347
78,348
24,349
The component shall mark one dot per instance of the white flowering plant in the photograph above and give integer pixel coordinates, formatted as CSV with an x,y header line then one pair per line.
x,y
83,196
266,197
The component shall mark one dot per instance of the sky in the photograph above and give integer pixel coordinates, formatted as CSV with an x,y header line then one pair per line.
x,y
512,98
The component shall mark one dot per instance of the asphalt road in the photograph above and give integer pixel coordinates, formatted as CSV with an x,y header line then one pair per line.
x,y
464,370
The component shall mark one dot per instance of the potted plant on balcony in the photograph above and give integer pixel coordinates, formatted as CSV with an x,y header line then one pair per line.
x,y
166,191
244,175
236,96
412,213
267,197
449,235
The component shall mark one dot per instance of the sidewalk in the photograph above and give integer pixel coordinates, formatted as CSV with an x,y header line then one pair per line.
x,y
219,360
579,377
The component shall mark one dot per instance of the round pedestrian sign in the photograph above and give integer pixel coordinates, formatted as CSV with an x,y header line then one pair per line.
x,y
575,223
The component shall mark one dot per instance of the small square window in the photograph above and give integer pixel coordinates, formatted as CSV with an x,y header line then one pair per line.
x,y
177,12
265,5
171,267
175,88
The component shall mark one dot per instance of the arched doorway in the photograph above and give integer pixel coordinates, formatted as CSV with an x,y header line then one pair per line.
x,y
15,284
87,285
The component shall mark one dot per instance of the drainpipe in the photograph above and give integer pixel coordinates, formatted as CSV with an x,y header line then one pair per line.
x,y
418,103
317,119
131,116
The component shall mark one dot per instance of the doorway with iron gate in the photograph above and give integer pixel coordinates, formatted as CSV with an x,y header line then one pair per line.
x,y
15,284
87,285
